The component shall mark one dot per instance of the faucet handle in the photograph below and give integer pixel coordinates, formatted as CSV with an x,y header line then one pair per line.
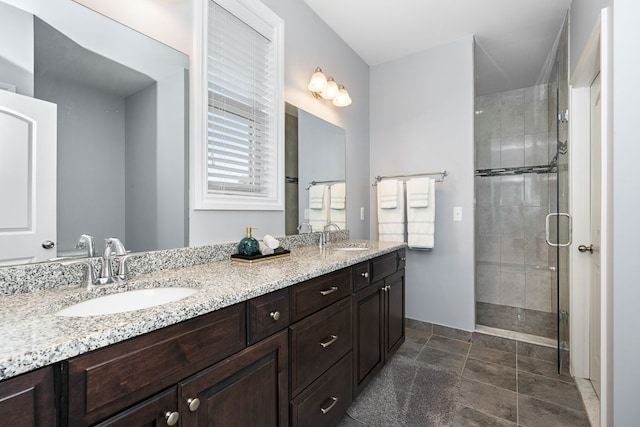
x,y
123,268
89,278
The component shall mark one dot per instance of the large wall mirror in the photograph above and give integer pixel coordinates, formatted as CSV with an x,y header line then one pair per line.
x,y
315,153
121,104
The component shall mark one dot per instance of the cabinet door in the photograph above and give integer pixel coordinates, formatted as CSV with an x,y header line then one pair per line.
x,y
394,313
28,400
160,410
247,389
368,343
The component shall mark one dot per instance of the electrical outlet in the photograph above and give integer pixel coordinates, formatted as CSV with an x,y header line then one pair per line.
x,y
361,213
457,213
306,214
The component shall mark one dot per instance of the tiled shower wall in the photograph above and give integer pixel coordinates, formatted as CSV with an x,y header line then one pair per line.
x,y
513,262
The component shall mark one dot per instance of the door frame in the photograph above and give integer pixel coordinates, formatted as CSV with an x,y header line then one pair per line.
x,y
595,58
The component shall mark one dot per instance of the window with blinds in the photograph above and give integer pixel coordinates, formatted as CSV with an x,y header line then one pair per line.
x,y
243,132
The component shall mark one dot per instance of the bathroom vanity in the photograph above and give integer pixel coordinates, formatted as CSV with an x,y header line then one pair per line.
x,y
291,346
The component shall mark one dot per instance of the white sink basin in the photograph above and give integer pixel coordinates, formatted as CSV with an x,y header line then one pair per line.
x,y
125,301
350,247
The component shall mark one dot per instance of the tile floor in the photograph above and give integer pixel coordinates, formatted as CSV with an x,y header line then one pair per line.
x,y
503,382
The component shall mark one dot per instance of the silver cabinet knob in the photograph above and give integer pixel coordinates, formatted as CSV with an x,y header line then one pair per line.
x,y
172,418
275,315
48,244
365,274
193,404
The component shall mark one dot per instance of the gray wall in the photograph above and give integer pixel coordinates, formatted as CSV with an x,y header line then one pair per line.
x,y
94,131
140,189
422,121
582,18
309,43
172,162
321,148
626,179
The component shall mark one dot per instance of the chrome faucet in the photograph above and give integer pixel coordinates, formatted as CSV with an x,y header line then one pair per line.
x,y
86,242
326,233
112,247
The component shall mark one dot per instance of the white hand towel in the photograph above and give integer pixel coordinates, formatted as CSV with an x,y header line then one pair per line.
x,y
264,249
318,210
338,195
316,196
388,194
418,192
421,221
271,241
391,222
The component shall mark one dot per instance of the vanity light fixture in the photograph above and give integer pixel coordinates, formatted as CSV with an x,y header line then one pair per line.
x,y
323,87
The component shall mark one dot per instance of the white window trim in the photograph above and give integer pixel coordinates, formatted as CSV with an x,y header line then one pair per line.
x,y
262,17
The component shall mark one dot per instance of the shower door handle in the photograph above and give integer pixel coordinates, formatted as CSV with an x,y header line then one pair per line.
x,y
548,232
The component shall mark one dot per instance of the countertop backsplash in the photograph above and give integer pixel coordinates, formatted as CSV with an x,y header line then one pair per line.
x,y
25,278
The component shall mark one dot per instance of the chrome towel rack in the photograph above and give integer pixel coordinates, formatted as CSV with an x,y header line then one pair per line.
x,y
312,183
442,175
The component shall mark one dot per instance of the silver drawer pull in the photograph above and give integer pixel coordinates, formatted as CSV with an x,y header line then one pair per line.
x,y
275,315
365,274
331,340
193,404
334,400
172,418
329,291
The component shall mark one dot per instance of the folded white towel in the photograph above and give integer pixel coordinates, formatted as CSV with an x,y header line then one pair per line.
x,y
391,222
316,196
388,194
338,196
421,221
318,210
418,192
271,241
264,249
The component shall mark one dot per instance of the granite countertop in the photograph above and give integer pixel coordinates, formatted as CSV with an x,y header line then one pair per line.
x,y
33,337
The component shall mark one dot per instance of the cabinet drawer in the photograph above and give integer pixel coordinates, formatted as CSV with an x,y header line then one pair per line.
x,y
106,381
318,342
402,258
325,401
318,293
267,315
360,275
383,266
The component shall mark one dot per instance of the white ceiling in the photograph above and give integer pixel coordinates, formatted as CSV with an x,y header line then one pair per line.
x,y
514,37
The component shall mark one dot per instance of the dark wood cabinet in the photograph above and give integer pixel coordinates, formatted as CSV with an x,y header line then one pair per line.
x,y
267,315
394,313
159,411
28,400
109,380
378,320
247,389
297,356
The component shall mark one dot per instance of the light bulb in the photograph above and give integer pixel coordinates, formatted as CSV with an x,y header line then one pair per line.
x,y
318,81
342,99
330,91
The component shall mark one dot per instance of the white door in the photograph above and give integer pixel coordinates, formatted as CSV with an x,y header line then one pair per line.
x,y
593,249
27,179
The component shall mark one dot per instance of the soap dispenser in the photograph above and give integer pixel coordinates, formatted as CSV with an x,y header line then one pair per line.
x,y
249,246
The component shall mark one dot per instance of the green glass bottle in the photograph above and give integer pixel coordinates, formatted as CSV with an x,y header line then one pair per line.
x,y
248,246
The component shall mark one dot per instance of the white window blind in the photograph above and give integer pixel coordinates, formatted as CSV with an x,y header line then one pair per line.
x,y
241,142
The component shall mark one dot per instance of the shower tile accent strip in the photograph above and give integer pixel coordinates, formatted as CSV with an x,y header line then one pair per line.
x,y
28,278
32,336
